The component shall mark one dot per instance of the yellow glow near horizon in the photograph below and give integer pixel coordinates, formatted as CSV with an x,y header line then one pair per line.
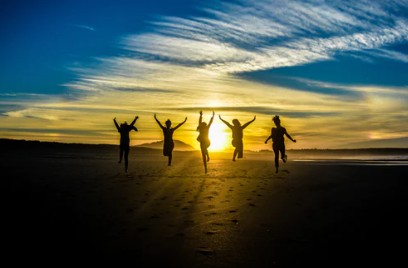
x,y
218,137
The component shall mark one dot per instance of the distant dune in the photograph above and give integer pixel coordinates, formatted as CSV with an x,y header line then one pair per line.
x,y
178,146
380,143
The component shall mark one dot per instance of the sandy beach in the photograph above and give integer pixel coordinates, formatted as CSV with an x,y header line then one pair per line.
x,y
71,203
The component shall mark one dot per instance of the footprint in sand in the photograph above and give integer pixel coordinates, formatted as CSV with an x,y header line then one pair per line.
x,y
232,211
212,232
251,204
205,251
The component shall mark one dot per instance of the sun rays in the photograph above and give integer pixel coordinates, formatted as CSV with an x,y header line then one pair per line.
x,y
218,136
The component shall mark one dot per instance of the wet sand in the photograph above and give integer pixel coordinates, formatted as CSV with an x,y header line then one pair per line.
x,y
75,203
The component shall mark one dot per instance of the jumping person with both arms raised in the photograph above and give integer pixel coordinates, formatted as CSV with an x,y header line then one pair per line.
x,y
237,136
203,138
278,141
168,144
124,146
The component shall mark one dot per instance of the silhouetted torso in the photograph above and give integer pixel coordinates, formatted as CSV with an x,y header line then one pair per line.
x,y
237,133
203,136
168,135
278,135
168,141
124,133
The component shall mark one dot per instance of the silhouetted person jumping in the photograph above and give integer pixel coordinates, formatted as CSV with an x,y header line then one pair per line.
x,y
168,131
124,147
237,136
278,141
203,138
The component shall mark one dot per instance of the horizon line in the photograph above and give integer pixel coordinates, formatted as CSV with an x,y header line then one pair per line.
x,y
262,150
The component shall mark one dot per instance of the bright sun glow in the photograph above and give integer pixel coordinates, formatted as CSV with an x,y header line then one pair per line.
x,y
218,136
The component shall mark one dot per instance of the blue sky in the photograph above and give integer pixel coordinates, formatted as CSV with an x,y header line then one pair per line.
x,y
334,70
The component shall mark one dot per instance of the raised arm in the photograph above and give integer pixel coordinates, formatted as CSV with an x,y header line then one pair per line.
x,y
116,124
225,122
158,122
211,120
134,121
247,123
200,119
287,135
179,125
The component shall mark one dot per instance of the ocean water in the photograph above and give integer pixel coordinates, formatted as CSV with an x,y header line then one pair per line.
x,y
376,160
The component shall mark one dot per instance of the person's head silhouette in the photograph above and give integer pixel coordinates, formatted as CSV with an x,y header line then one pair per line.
x,y
203,124
276,120
168,123
236,122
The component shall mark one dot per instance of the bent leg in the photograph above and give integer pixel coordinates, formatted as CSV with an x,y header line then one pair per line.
x,y
283,154
235,154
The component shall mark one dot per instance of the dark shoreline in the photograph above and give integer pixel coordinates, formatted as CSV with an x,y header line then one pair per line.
x,y
12,144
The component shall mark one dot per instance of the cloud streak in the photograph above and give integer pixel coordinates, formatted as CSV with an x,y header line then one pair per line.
x,y
86,27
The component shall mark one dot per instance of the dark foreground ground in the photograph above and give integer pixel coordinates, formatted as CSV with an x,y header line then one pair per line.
x,y
75,205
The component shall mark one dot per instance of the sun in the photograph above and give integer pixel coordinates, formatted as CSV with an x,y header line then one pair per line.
x,y
218,136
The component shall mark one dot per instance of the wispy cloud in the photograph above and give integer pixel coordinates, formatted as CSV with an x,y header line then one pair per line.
x,y
272,34
86,27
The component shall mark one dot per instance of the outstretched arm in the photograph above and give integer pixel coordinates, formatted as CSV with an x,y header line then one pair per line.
x,y
247,123
158,122
287,135
134,121
116,124
211,120
179,125
225,122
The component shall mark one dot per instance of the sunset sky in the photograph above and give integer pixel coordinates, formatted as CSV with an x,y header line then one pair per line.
x,y
335,71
